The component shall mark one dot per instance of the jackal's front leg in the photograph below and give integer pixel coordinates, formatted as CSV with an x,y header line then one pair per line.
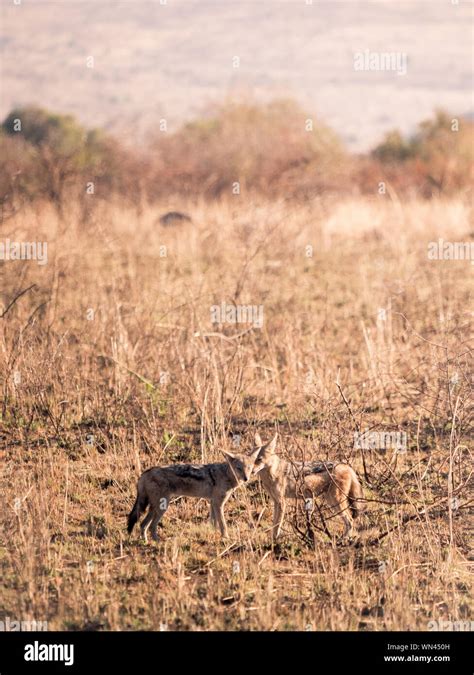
x,y
278,517
212,515
217,506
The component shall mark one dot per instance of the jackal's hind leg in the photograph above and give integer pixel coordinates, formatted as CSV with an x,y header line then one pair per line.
x,y
158,512
340,504
145,524
348,524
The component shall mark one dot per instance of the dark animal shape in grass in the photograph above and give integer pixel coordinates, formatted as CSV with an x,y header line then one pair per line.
x,y
173,218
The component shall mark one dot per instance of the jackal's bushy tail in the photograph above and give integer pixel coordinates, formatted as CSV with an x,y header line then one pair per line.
x,y
139,507
356,495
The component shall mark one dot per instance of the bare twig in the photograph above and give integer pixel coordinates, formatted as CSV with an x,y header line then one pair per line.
x,y
17,297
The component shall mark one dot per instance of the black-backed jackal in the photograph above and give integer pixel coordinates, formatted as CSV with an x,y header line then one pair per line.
x,y
214,482
335,483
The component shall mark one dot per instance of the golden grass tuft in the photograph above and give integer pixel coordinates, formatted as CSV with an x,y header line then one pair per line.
x,y
110,365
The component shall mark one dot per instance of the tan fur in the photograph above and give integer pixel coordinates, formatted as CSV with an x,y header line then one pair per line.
x,y
335,483
214,482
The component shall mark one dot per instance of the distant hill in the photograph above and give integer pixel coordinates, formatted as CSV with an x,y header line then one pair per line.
x,y
153,61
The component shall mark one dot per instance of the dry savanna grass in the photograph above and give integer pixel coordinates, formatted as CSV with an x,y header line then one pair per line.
x,y
110,364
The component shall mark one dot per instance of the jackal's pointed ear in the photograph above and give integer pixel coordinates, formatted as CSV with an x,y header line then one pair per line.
x,y
258,440
270,447
228,455
254,455
273,443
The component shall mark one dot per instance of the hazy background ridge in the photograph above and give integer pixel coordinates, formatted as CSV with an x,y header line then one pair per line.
x,y
153,61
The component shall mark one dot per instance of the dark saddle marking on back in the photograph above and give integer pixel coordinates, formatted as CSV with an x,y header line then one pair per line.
x,y
188,471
